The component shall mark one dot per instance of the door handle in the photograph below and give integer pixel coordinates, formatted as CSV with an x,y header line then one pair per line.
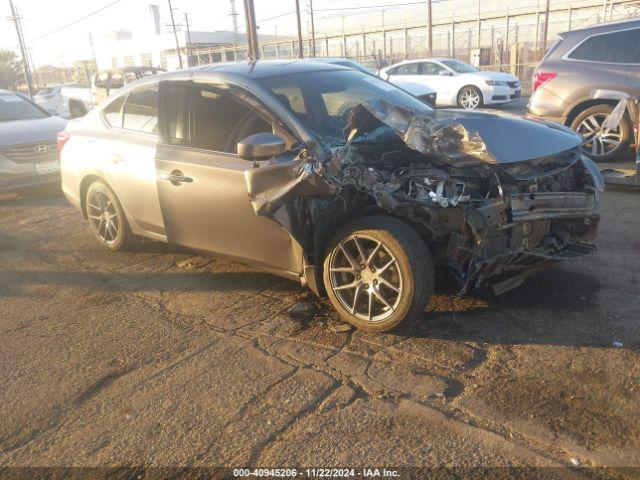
x,y
176,177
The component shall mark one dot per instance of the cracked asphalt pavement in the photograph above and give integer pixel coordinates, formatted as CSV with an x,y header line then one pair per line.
x,y
162,357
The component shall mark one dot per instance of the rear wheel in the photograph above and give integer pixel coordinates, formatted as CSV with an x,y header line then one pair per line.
x,y
602,145
106,218
378,272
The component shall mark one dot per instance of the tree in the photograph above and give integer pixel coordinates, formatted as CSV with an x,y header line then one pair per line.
x,y
10,69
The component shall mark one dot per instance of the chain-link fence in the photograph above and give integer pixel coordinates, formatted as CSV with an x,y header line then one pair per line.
x,y
501,38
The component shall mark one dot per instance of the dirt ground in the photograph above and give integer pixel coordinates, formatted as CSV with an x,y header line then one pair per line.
x,y
166,358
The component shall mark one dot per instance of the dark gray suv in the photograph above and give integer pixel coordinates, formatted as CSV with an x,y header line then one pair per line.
x,y
605,56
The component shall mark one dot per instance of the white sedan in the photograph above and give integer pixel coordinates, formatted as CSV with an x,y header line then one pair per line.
x,y
456,83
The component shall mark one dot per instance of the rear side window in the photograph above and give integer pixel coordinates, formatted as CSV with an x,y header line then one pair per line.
x,y
615,47
141,110
219,121
408,69
113,112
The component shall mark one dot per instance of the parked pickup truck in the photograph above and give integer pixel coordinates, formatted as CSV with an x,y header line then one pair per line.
x,y
68,101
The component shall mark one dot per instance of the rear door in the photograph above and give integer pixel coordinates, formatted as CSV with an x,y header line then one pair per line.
x,y
201,183
132,164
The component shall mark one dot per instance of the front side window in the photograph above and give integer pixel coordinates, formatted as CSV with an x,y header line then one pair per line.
x,y
141,110
329,97
112,113
14,107
616,47
219,121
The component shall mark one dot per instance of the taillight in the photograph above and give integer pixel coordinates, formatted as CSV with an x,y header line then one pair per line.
x,y
62,139
540,78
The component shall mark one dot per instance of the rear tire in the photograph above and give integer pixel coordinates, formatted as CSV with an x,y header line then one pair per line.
x,y
378,272
107,219
587,123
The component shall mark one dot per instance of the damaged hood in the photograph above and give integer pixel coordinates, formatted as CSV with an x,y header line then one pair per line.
x,y
466,137
510,138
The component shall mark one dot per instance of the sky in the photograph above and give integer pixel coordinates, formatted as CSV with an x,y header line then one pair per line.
x,y
40,17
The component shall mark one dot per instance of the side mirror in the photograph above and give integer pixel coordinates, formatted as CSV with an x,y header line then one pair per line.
x,y
260,146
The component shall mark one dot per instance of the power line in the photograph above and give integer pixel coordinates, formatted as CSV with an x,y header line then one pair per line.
x,y
73,22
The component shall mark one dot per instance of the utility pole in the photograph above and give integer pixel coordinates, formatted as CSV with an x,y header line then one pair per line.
x,y
175,34
313,30
429,29
545,29
93,52
252,29
23,50
300,47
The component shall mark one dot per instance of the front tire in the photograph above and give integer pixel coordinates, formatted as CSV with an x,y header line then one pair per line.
x,y
378,272
106,218
470,98
601,145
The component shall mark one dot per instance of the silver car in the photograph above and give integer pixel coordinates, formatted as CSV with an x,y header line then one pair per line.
x,y
602,57
333,178
28,152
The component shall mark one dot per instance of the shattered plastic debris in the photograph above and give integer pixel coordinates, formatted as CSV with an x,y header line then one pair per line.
x,y
617,344
575,461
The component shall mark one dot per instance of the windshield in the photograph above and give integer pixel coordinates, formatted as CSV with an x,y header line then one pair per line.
x,y
459,67
14,107
323,100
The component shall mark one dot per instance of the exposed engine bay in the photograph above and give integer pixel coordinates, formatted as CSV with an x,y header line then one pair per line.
x,y
489,217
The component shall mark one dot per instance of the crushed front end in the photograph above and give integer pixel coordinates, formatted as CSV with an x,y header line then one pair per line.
x,y
495,197
489,221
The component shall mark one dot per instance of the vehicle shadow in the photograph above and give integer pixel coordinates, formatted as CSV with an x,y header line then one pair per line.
x,y
554,307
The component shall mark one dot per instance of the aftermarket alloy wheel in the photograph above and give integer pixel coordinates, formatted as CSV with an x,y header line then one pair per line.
x,y
378,272
602,144
470,97
106,218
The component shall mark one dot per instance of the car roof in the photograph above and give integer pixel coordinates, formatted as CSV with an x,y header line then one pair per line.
x,y
603,28
268,68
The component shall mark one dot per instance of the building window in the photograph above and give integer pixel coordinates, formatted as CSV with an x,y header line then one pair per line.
x,y
163,60
146,60
128,61
114,63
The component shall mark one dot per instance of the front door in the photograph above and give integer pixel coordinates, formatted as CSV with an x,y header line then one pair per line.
x,y
201,183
